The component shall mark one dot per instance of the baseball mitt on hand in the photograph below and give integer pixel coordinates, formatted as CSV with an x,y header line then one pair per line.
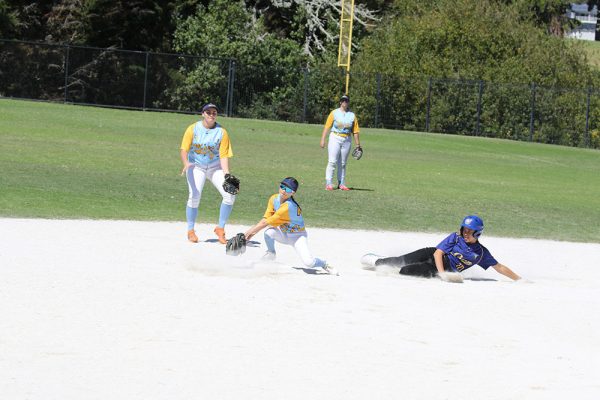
x,y
231,184
236,245
357,152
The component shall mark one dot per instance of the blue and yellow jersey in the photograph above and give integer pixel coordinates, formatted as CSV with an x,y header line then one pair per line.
x,y
342,123
287,215
206,146
463,255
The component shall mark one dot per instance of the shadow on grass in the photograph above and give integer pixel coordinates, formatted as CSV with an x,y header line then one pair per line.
x,y
362,189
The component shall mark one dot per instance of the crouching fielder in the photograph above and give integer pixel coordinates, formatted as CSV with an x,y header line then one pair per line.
x,y
286,225
456,253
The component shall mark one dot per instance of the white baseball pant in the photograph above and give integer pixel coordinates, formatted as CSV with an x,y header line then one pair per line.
x,y
338,150
196,177
300,243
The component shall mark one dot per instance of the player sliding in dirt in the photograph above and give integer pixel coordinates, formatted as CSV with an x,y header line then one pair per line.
x,y
456,253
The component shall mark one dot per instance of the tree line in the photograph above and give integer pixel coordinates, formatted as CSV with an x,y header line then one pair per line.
x,y
398,45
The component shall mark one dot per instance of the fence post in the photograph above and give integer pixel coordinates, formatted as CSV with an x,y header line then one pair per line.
x,y
532,112
232,86
66,72
428,105
378,100
305,100
230,80
145,80
478,129
587,118
228,88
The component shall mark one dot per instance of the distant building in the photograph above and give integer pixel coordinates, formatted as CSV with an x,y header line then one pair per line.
x,y
587,19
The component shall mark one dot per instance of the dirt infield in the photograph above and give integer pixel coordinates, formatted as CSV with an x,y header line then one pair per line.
x,y
131,310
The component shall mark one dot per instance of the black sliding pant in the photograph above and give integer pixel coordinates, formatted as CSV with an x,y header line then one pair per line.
x,y
417,263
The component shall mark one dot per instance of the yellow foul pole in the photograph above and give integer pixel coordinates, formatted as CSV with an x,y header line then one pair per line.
x,y
345,46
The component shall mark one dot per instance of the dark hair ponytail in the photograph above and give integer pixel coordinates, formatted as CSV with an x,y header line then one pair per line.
x,y
294,200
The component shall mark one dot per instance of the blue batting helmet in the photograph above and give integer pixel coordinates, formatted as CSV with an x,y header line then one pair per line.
x,y
473,222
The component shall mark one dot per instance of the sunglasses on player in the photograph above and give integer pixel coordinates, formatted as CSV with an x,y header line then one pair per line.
x,y
286,189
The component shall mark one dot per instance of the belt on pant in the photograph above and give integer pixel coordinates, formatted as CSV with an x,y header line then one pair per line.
x,y
340,134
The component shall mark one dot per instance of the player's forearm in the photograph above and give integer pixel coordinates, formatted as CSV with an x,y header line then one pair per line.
x,y
225,164
357,139
184,157
438,256
256,228
504,270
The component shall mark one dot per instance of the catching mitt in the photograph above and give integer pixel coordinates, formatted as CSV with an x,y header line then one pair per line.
x,y
357,152
231,184
236,245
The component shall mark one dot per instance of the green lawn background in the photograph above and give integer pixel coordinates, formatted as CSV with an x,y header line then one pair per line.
x,y
66,161
592,50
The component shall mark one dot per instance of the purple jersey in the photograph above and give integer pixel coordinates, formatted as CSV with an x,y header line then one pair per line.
x,y
463,255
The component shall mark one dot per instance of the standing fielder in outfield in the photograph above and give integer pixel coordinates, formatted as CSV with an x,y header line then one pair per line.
x,y
456,253
343,124
286,225
205,153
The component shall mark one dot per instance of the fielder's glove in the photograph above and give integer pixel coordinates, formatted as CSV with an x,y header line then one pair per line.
x,y
231,184
357,152
236,245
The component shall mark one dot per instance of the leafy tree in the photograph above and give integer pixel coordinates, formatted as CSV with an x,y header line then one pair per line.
x,y
471,41
8,20
132,24
27,18
314,24
68,22
548,14
266,63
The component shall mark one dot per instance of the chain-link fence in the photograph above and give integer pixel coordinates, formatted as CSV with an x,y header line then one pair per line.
x,y
177,82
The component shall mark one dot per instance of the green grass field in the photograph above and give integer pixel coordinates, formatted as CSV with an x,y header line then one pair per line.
x,y
64,161
592,50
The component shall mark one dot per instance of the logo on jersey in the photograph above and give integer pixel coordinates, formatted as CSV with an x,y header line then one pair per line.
x,y
206,150
292,228
343,125
463,262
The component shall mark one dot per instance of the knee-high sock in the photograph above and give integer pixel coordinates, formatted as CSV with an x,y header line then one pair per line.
x,y
191,214
224,214
270,242
319,263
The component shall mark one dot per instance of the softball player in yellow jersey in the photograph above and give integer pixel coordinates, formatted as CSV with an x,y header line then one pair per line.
x,y
205,152
343,124
286,225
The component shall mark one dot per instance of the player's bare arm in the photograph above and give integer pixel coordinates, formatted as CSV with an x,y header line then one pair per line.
x,y
225,165
184,160
439,260
256,228
323,135
504,270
